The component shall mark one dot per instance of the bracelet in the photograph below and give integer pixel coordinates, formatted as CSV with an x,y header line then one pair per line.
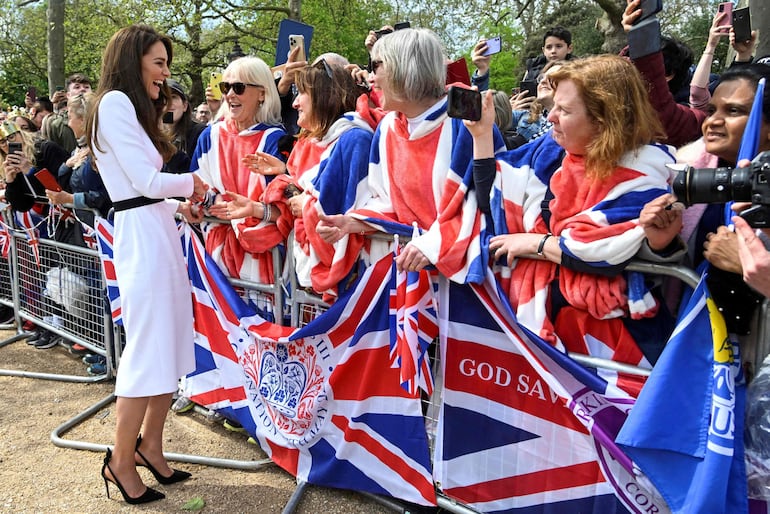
x,y
708,53
541,246
266,212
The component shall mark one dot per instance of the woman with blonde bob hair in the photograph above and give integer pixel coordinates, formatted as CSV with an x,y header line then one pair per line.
x,y
253,70
579,215
251,123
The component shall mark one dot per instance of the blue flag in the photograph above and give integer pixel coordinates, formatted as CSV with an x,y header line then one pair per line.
x,y
685,432
750,142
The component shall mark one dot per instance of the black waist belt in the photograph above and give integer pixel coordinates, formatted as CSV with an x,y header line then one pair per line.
x,y
139,201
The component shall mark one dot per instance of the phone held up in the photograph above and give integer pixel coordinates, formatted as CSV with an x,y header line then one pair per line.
x,y
649,8
214,81
644,38
464,103
742,24
398,26
168,118
530,86
726,7
494,45
14,147
298,40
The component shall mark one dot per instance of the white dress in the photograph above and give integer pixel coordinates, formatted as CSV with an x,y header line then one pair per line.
x,y
149,264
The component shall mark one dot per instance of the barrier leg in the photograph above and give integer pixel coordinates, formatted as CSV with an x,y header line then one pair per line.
x,y
45,376
58,432
296,497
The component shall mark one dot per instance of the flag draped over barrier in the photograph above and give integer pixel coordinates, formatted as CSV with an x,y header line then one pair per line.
x,y
686,431
323,401
103,230
548,424
28,226
521,427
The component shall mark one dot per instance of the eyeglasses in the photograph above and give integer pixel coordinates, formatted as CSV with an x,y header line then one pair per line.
x,y
376,64
237,87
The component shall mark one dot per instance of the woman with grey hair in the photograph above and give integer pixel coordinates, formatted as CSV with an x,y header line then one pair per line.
x,y
250,123
420,163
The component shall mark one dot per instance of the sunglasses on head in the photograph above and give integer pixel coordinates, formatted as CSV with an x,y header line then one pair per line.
x,y
237,87
326,68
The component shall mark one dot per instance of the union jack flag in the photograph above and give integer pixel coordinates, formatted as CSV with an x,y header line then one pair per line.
x,y
5,240
322,401
548,424
413,326
28,226
104,239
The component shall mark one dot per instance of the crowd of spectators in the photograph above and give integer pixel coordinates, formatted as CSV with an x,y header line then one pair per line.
x,y
313,155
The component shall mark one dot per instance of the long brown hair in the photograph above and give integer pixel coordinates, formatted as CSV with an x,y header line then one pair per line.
x,y
617,100
333,92
122,71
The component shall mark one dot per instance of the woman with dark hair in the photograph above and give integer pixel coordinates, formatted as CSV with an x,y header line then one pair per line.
x,y
329,160
129,146
184,129
704,225
25,123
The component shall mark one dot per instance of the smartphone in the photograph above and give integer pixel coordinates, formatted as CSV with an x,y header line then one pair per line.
x,y
402,25
644,38
493,46
530,86
649,8
464,103
383,32
59,88
32,93
168,118
742,24
725,7
298,40
47,179
214,81
14,147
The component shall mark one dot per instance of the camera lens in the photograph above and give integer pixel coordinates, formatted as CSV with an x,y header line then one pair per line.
x,y
713,185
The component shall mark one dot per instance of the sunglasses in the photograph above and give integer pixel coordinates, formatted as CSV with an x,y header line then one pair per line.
x,y
326,67
376,64
237,87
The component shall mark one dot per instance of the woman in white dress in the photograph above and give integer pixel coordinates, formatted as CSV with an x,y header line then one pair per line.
x,y
129,148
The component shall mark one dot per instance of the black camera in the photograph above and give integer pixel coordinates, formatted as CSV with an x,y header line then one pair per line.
x,y
720,185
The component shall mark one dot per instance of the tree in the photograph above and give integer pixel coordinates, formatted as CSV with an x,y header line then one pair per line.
x,y
55,18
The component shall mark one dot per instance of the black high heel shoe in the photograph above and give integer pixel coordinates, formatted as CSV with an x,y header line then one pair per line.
x,y
150,495
176,476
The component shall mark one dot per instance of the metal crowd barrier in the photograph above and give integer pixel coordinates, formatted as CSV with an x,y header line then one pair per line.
x,y
40,269
266,297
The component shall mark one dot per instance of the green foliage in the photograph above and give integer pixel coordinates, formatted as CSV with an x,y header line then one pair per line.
x,y
342,27
204,32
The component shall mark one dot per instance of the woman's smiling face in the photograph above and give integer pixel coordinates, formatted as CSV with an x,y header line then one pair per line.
x,y
155,69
